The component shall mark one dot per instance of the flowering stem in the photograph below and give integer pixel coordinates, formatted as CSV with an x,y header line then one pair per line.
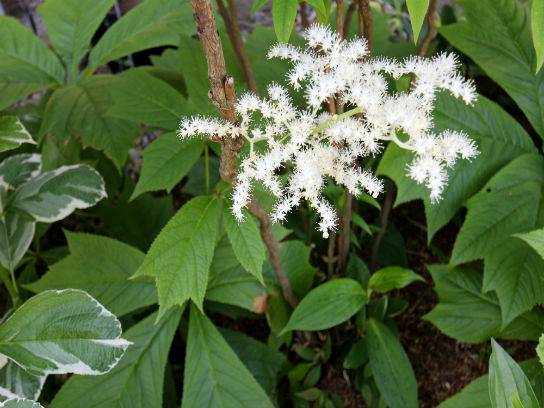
x,y
336,118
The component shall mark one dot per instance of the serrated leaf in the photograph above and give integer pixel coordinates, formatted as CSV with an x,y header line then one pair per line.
x,y
327,305
391,367
392,277
535,239
506,377
151,24
246,242
497,37
229,282
284,13
66,331
417,10
181,255
53,195
165,162
142,98
13,134
26,64
537,28
137,380
101,266
80,111
71,25
15,381
467,315
214,376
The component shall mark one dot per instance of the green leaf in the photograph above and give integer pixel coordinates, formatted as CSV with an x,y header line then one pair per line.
x,y
214,375
392,277
26,64
328,305
71,25
151,24
181,255
246,241
505,377
55,194
535,239
229,282
13,134
357,356
540,349
165,162
66,331
14,380
18,169
142,98
391,367
19,403
284,13
16,233
470,316
322,12
295,259
80,111
101,266
537,28
137,380
417,10
263,362
509,203
319,6
257,4
497,37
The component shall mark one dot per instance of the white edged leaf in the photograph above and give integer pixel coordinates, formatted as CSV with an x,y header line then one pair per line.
x,y
13,134
16,233
18,169
15,382
65,331
53,195
19,403
137,380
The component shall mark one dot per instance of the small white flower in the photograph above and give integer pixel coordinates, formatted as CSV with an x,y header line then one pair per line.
x,y
315,145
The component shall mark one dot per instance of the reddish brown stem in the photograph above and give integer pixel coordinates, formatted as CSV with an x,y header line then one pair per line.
x,y
223,96
365,21
304,15
340,18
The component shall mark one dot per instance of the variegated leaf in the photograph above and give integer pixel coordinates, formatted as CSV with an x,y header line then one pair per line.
x,y
13,134
15,382
16,233
64,331
18,169
19,403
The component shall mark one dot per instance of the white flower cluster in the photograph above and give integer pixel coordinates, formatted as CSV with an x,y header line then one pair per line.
x,y
315,145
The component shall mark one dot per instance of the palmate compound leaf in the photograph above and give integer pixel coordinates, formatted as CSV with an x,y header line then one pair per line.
x,y
470,316
71,25
64,331
497,36
390,366
214,375
137,380
26,64
510,202
246,242
53,195
181,255
15,382
101,266
13,134
151,24
327,305
505,378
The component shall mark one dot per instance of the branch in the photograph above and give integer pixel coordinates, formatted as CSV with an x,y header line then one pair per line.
x,y
223,96
233,31
365,21
340,18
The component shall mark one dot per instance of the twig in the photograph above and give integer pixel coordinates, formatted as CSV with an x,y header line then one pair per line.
x,y
387,205
233,31
304,15
431,31
349,16
223,96
365,21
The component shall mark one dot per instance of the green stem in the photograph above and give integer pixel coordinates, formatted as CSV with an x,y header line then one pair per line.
x,y
336,118
207,162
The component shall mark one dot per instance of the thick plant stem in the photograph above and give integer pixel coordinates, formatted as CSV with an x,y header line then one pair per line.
x,y
340,18
235,36
349,16
431,31
304,15
223,96
365,21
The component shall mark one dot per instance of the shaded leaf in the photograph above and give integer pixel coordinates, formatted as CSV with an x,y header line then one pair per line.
x,y
13,134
